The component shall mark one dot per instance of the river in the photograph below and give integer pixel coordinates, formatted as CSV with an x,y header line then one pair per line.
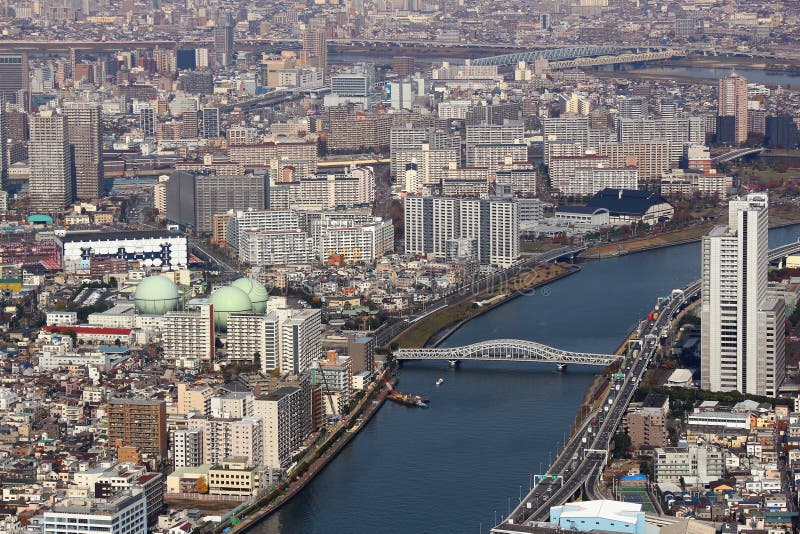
x,y
452,467
752,75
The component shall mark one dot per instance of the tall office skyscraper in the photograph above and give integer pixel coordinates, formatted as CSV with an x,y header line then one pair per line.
x,y
223,40
85,136
14,79
315,44
51,163
732,102
742,329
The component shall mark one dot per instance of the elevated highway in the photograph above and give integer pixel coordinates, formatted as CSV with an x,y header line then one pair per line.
x,y
588,447
735,154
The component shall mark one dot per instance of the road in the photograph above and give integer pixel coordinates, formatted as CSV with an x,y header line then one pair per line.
x,y
589,447
593,453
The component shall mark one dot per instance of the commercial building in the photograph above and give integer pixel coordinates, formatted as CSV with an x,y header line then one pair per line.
x,y
694,463
605,516
50,157
742,328
85,136
193,199
124,513
148,248
629,206
235,477
15,79
140,423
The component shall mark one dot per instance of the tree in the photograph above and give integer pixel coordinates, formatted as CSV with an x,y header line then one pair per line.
x,y
622,444
201,486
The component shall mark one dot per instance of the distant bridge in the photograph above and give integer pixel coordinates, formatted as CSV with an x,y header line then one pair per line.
x,y
735,154
507,350
555,54
629,57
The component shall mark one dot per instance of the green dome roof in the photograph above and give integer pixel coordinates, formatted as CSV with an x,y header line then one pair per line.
x,y
256,291
229,300
156,295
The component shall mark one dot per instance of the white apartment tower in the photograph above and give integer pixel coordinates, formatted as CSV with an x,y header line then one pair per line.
x,y
300,341
742,336
188,336
187,447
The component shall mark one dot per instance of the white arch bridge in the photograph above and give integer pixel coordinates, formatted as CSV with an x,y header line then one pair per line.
x,y
507,350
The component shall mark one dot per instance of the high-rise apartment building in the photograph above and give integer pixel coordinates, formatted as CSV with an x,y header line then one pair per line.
x,y
188,336
85,135
742,329
732,102
147,121
187,447
208,123
300,341
225,438
3,147
223,40
286,419
432,222
51,163
140,423
315,45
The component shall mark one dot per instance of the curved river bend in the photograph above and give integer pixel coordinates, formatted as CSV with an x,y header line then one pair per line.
x,y
490,425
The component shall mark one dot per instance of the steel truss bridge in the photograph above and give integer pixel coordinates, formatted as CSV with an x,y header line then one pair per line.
x,y
629,57
578,56
511,350
555,54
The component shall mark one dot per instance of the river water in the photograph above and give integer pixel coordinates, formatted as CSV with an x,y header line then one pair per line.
x,y
490,426
752,75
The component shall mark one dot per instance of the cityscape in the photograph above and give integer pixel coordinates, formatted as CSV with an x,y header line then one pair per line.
x,y
399,266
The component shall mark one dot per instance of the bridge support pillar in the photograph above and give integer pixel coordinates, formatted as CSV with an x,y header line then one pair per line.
x,y
453,363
